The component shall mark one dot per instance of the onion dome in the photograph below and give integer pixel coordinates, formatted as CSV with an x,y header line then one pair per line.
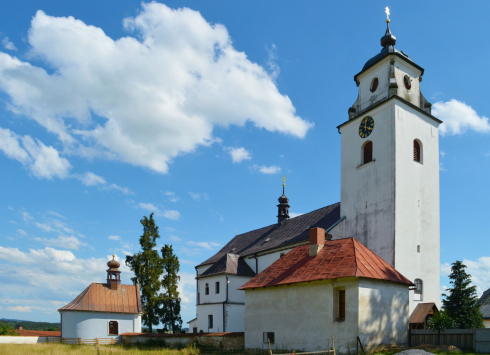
x,y
283,207
388,39
113,264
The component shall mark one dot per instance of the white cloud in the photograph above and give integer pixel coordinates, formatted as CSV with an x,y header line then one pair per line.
x,y
479,271
171,196
196,196
239,154
443,153
26,216
7,44
114,237
271,63
90,179
166,89
43,161
68,242
174,238
441,167
45,227
171,214
148,206
21,232
19,309
205,245
459,117
56,214
186,287
268,170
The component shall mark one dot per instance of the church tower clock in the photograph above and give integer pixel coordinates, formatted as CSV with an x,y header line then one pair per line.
x,y
390,169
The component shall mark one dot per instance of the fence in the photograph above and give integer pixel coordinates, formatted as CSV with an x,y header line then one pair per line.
x,y
475,339
96,341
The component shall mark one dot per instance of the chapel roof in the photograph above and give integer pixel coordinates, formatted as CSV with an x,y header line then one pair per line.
x,y
230,264
276,235
338,258
99,297
484,303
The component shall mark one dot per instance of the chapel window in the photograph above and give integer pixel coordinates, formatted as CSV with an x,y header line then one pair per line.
x,y
367,152
407,82
210,321
417,151
206,289
374,85
341,305
418,290
216,287
113,328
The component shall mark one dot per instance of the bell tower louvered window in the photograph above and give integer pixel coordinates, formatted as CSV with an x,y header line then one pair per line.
x,y
367,152
417,153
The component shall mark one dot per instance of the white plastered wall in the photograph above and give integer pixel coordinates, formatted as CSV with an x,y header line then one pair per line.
x,y
383,313
235,317
202,317
212,297
302,316
91,325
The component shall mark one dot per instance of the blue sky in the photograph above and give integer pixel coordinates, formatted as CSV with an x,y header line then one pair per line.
x,y
112,110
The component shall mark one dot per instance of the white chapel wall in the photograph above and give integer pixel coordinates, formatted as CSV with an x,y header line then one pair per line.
x,y
234,294
203,311
90,325
235,317
212,297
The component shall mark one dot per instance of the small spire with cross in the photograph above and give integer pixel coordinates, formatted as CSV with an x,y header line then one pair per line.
x,y
387,11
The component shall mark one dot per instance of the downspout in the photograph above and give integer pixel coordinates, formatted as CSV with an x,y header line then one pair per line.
x,y
197,289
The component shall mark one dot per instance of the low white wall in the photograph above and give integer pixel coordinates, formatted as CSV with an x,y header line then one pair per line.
x,y
25,340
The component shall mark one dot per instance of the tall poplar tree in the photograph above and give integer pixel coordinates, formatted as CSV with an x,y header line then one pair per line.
x,y
170,300
147,268
460,304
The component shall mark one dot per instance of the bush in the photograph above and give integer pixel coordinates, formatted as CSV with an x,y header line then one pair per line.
x,y
441,321
6,329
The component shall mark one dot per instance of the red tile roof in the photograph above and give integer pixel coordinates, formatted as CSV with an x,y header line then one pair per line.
x,y
158,335
100,298
38,333
339,258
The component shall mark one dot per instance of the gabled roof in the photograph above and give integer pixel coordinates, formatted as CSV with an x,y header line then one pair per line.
x,y
421,312
276,235
100,298
230,264
484,303
339,258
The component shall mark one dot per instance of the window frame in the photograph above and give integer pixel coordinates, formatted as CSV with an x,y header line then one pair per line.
x,y
216,287
341,310
210,321
419,286
268,337
365,149
420,151
113,327
206,289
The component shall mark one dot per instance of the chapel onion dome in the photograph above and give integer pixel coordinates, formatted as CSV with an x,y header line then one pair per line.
x,y
113,264
388,39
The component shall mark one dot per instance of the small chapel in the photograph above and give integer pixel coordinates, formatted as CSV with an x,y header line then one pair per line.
x,y
355,268
103,310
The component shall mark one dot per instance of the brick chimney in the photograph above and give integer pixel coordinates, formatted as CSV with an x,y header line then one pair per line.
x,y
317,240
20,328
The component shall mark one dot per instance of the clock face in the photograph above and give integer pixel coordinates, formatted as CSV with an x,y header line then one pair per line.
x,y
366,127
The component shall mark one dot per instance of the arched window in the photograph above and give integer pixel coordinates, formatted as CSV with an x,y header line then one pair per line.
x,y
417,294
417,151
206,289
113,328
367,152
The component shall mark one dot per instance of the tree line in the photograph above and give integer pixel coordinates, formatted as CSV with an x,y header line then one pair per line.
x,y
29,325
157,274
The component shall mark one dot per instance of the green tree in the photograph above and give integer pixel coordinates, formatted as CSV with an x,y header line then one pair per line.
x,y
170,300
441,321
147,268
460,304
6,329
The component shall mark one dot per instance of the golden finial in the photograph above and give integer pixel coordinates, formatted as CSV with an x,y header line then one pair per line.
x,y
113,256
283,181
387,11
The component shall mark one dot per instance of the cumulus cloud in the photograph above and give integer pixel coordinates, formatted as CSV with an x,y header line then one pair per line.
x,y
197,196
114,237
67,242
90,179
268,170
43,161
146,98
458,118
239,154
479,271
7,44
148,206
169,214
205,245
20,309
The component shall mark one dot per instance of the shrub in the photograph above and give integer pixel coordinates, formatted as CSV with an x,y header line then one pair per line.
x,y
441,321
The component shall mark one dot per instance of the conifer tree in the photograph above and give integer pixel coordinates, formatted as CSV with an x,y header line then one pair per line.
x,y
460,304
147,268
170,300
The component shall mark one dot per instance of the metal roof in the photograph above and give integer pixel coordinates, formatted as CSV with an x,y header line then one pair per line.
x,y
277,235
421,312
339,258
100,298
230,264
484,303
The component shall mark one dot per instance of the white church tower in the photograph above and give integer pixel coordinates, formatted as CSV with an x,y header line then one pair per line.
x,y
390,169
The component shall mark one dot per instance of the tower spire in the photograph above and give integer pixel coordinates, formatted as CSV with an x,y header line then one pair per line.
x,y
388,39
283,207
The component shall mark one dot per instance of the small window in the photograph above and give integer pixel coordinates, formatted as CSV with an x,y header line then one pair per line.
x,y
206,289
374,85
341,305
210,321
216,287
194,330
367,152
418,248
417,151
269,337
113,328
418,286
281,255
407,82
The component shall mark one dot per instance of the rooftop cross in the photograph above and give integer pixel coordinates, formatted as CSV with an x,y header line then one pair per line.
x,y
387,11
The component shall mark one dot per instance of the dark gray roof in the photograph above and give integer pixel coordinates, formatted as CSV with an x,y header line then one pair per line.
x,y
276,235
230,264
484,303
388,50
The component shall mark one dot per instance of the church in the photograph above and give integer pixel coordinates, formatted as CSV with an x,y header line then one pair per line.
x,y
381,241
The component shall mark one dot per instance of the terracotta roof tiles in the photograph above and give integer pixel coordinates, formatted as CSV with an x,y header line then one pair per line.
x,y
339,258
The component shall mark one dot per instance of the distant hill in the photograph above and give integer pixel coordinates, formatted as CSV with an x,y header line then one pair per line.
x,y
28,325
